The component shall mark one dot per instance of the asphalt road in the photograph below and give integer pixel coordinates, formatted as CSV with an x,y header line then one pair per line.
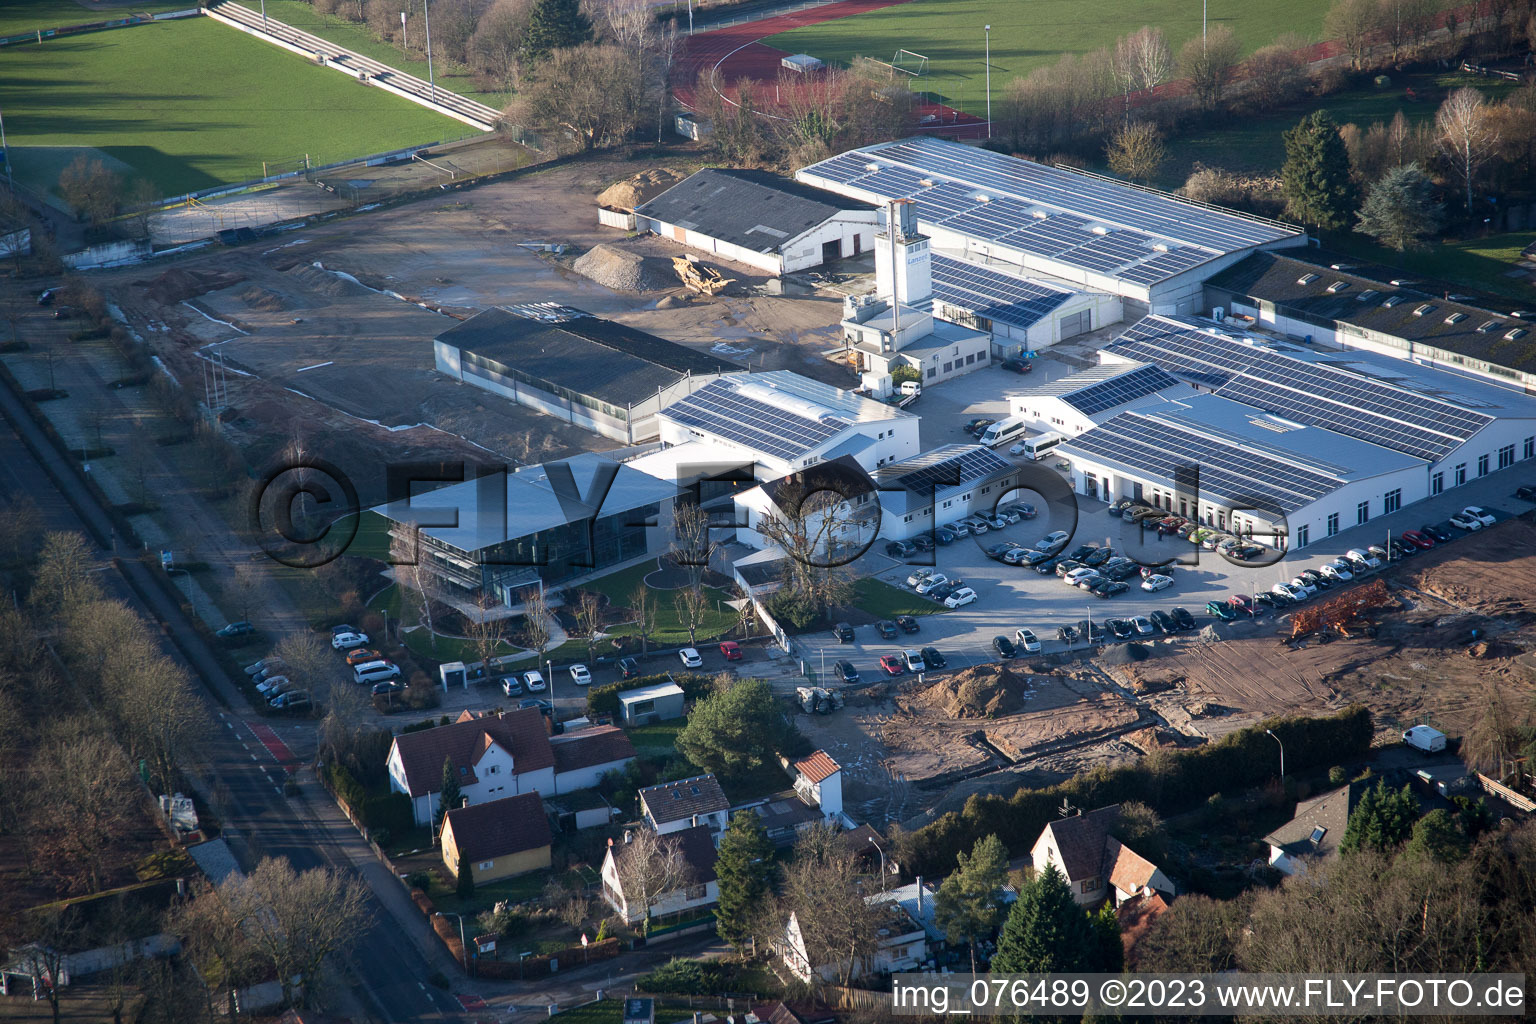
x,y
388,978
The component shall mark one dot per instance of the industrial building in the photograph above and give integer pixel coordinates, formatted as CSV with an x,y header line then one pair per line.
x,y
594,373
1152,249
1375,309
779,422
1281,440
536,525
759,219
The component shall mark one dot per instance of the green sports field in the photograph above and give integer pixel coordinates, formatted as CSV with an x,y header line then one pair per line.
x,y
192,104
1027,34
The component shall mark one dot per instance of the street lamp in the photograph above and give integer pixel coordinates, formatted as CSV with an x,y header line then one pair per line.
x,y
1282,751
462,943
988,29
882,863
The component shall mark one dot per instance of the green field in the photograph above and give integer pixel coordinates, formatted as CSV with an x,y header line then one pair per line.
x,y
1028,35
17,16
193,104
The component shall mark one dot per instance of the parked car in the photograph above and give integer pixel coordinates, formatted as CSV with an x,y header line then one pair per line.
x,y
900,549
914,660
533,679
358,655
1156,582
892,664
1163,621
932,658
1182,617
1026,639
1418,539
1017,365
1003,646
907,623
345,641
235,629
690,658
1481,514
931,581
843,632
629,668
887,629
1054,539
846,672
1222,610
1120,629
960,598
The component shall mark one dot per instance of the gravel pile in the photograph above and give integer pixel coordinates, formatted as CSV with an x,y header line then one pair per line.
x,y
620,270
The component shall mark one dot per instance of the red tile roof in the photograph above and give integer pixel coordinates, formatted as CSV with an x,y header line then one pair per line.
x,y
818,767
519,732
499,827
602,745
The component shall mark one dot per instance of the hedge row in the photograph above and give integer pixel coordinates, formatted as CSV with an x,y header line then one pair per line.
x,y
604,700
1169,782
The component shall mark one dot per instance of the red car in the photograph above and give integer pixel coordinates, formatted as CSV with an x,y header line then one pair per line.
x,y
731,649
1418,540
892,664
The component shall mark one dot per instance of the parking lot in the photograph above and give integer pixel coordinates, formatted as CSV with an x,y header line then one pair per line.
x,y
1010,597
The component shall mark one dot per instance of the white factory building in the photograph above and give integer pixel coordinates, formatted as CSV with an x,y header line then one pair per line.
x,y
759,219
780,422
1082,231
1269,437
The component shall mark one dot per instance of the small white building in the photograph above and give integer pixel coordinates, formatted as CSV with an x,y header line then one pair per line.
x,y
701,889
819,781
674,806
759,219
1095,863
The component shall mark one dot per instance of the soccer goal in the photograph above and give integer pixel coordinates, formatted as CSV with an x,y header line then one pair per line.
x,y
910,63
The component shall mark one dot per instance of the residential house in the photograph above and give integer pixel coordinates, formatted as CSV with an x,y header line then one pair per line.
x,y
1314,831
907,933
498,754
674,806
1094,862
697,847
499,839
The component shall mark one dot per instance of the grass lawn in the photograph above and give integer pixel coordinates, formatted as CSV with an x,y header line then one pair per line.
x,y
1026,36
718,619
18,16
357,38
1255,145
884,601
193,104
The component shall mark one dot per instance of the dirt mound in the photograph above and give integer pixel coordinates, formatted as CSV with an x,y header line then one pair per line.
x,y
324,282
637,188
257,297
986,691
620,270
178,285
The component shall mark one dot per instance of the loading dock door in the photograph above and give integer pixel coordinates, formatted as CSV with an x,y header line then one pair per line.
x,y
1077,323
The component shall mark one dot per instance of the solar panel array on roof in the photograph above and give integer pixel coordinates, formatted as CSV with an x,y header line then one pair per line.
x,y
1144,236
1140,382
1000,297
1241,476
1346,403
721,409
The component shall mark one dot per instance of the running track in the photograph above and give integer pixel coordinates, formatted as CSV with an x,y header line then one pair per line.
x,y
738,54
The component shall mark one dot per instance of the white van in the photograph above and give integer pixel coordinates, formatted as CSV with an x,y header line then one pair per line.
x,y
375,672
1042,445
1003,431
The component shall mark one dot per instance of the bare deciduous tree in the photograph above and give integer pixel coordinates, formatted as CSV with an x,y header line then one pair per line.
x,y
1469,137
651,868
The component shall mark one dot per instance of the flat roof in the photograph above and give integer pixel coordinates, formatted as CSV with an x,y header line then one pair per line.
x,y
778,413
538,498
752,209
1364,296
1086,221
587,354
1393,403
